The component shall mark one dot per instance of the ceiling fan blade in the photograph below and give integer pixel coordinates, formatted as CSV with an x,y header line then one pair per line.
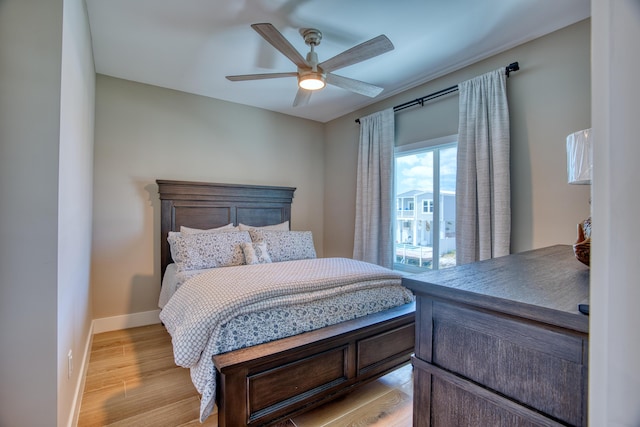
x,y
302,97
369,49
261,76
354,85
277,40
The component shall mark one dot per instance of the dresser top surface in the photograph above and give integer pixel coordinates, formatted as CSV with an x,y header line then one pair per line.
x,y
543,284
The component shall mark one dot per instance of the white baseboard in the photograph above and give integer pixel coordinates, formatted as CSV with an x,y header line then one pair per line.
x,y
77,399
125,321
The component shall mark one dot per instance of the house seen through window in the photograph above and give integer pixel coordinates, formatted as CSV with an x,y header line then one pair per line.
x,y
425,201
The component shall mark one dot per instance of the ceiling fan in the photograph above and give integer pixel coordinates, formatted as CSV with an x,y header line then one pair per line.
x,y
313,75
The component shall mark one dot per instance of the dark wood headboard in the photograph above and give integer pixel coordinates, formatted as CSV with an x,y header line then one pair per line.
x,y
209,205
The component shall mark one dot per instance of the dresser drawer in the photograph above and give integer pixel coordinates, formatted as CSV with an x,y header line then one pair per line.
x,y
540,367
455,401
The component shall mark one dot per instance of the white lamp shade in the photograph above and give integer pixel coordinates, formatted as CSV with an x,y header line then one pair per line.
x,y
579,157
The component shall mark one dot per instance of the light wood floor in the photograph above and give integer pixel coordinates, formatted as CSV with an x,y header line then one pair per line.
x,y
132,380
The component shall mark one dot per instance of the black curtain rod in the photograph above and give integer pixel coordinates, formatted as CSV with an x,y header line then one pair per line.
x,y
514,66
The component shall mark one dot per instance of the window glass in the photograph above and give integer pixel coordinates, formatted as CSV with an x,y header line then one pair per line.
x,y
425,177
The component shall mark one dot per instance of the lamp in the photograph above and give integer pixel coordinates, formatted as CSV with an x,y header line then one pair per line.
x,y
311,80
579,157
579,171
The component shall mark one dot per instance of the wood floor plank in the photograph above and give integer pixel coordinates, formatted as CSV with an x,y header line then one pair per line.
x,y
331,411
402,417
144,395
127,370
132,380
124,361
127,336
180,413
151,349
211,421
401,378
379,412
96,408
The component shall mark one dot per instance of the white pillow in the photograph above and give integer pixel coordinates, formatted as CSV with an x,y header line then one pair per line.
x,y
283,226
286,245
207,250
189,230
255,253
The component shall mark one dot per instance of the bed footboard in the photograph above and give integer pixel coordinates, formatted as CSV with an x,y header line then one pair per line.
x,y
270,382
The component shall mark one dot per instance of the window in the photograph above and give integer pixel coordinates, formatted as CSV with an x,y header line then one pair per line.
x,y
425,176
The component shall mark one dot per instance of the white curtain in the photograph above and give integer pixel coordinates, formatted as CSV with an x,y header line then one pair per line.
x,y
483,201
373,226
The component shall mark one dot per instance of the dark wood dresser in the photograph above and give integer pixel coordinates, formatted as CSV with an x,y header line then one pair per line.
x,y
501,342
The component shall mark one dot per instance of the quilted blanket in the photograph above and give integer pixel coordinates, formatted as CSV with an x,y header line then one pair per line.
x,y
234,307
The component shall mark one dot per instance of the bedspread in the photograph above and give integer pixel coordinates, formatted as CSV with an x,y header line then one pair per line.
x,y
233,307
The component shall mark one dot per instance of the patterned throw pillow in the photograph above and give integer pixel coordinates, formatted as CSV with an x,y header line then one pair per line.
x,y
255,253
286,245
207,250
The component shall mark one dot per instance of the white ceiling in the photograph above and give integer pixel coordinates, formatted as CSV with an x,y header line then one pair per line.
x,y
191,45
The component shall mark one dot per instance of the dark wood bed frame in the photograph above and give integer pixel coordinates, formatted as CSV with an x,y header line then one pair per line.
x,y
271,382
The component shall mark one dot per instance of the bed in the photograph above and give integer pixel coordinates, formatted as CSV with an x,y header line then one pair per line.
x,y
269,382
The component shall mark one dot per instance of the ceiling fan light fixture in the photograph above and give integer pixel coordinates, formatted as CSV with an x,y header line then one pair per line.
x,y
312,75
311,81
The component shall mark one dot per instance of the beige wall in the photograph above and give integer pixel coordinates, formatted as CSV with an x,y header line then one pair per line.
x,y
548,99
144,133
75,198
45,216
29,134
